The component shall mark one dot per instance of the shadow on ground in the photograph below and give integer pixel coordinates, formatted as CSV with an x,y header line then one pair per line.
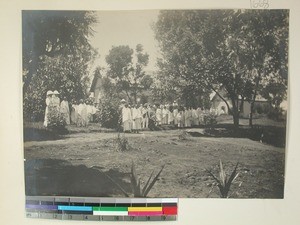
x,y
271,135
59,177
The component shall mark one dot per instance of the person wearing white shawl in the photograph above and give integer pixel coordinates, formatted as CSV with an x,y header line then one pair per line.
x,y
48,103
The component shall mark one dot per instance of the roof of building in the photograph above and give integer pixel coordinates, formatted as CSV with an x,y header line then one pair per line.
x,y
94,83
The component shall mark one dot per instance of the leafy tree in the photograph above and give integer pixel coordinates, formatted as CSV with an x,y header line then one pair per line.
x,y
56,54
266,54
128,75
211,49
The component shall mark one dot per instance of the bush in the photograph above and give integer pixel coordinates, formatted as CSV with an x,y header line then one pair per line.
x,y
56,120
210,119
276,114
108,115
33,106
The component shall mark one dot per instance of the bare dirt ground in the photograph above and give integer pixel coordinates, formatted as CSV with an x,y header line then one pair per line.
x,y
78,165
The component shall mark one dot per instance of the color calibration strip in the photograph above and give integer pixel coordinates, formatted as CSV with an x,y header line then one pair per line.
x,y
102,209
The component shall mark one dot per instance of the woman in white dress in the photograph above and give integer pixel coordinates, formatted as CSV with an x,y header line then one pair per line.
x,y
55,99
48,103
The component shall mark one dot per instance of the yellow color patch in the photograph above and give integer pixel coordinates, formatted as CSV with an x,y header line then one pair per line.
x,y
145,209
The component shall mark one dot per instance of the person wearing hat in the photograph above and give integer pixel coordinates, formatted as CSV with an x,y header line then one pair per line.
x,y
55,99
48,103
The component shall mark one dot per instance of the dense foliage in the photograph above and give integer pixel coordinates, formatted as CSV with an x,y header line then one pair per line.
x,y
56,120
109,115
238,51
128,73
56,55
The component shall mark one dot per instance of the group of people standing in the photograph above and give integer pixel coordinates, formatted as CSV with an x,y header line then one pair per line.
x,y
81,113
53,103
137,117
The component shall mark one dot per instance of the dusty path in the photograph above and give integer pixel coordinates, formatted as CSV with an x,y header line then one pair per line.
x,y
261,166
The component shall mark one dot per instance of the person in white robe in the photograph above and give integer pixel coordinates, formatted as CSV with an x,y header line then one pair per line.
x,y
175,112
170,115
137,119
82,114
188,117
195,117
65,110
165,115
48,103
126,118
159,115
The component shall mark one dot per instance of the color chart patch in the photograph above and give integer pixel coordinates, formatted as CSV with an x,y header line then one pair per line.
x,y
102,209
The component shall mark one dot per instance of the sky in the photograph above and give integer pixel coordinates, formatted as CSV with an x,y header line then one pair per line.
x,y
125,28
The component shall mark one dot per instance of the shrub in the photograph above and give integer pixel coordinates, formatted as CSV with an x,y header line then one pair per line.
x,y
276,114
210,119
56,120
108,115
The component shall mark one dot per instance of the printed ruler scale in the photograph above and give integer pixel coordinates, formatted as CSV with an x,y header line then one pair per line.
x,y
102,209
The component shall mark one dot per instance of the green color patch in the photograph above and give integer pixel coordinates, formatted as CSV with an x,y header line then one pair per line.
x,y
110,208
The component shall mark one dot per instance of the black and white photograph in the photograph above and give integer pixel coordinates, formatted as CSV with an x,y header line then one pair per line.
x,y
155,103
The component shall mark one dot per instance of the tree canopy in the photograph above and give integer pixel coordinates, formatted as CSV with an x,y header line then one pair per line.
x,y
238,51
56,56
128,71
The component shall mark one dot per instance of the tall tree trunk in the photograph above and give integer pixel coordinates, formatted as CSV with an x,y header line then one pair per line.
x,y
235,114
251,113
252,103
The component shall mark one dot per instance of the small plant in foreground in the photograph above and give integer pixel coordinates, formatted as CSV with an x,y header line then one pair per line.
x,y
122,143
223,182
136,183
184,136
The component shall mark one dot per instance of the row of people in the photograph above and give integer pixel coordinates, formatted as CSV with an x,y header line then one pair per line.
x,y
135,118
82,112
